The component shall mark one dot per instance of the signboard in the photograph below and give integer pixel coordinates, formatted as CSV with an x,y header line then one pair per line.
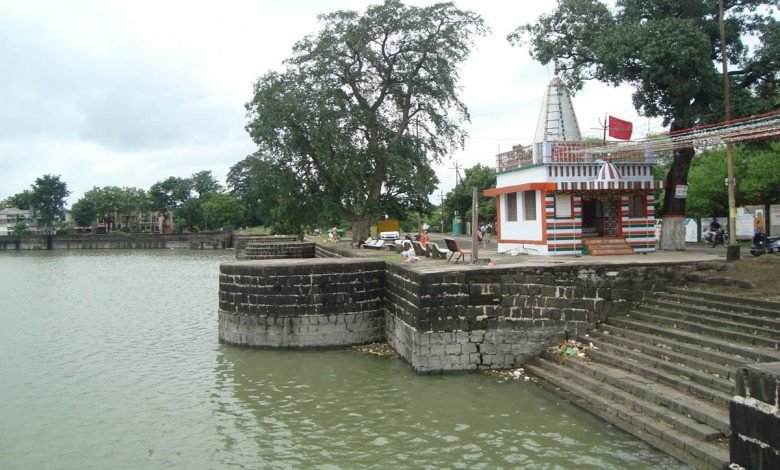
x,y
774,220
744,226
681,191
691,231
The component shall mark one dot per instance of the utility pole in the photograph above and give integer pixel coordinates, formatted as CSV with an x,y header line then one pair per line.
x,y
732,250
604,126
457,173
474,222
441,208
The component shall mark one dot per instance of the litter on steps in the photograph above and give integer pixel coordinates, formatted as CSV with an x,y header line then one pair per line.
x,y
570,348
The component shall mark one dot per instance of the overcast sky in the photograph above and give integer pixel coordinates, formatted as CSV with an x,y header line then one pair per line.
x,y
129,93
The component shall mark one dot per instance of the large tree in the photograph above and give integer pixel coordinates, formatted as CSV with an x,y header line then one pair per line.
x,y
110,203
48,198
223,211
670,52
364,100
205,184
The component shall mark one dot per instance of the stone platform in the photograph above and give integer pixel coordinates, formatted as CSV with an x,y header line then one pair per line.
x,y
438,315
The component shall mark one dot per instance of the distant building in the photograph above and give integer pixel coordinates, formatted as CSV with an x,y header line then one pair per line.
x,y
10,217
554,198
152,222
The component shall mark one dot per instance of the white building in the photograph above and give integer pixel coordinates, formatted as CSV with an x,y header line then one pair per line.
x,y
555,198
11,216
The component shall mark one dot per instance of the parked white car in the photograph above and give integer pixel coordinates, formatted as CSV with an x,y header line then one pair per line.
x,y
389,235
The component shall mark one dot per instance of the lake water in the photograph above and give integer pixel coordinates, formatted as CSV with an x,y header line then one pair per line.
x,y
110,359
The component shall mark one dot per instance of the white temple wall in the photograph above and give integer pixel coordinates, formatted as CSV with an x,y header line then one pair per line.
x,y
514,178
522,230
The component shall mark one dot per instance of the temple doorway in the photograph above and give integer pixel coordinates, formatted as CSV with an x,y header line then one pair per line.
x,y
599,216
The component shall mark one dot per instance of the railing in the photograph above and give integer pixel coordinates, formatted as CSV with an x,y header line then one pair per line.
x,y
567,152
514,158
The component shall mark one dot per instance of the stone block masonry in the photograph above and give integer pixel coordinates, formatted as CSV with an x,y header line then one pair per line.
x,y
498,318
295,303
438,317
755,417
276,250
241,242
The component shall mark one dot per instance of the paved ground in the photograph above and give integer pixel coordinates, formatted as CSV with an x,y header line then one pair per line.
x,y
763,272
489,253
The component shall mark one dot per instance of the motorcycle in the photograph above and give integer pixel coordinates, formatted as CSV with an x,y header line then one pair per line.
x,y
763,244
719,237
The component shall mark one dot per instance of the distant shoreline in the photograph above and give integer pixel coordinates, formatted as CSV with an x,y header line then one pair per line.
x,y
198,241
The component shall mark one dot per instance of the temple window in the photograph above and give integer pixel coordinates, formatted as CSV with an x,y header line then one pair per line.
x,y
511,207
529,205
637,206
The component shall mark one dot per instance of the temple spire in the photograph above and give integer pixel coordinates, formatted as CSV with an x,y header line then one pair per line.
x,y
557,120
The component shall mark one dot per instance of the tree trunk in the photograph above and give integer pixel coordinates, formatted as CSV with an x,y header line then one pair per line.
x,y
673,212
361,228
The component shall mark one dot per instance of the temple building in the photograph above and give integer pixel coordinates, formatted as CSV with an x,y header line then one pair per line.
x,y
557,198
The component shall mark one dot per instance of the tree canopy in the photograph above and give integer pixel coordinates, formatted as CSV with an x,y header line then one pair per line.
x,y
48,197
754,170
459,199
109,202
363,107
21,200
670,52
274,197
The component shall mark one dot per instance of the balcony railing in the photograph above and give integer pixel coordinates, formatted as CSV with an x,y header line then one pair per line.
x,y
566,152
515,158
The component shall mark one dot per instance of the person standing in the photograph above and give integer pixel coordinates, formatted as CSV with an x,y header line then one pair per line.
x,y
425,238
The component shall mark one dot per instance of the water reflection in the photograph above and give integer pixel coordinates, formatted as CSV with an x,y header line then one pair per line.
x,y
110,359
340,410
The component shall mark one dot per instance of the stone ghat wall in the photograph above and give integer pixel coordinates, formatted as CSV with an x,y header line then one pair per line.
x,y
95,241
755,417
240,242
276,250
469,319
339,250
301,303
500,317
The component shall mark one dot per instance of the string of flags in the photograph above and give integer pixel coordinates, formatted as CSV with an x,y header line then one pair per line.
x,y
756,127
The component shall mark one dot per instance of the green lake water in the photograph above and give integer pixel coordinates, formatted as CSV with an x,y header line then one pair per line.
x,y
110,359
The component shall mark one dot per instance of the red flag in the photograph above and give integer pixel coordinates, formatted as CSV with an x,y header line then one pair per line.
x,y
620,129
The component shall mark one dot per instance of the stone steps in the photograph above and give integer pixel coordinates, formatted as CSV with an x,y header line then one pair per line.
x,y
749,352
607,246
649,407
753,306
609,403
653,371
674,368
697,358
670,319
665,371
742,320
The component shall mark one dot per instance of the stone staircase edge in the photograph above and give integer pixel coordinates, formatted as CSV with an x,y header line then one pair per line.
x,y
715,461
